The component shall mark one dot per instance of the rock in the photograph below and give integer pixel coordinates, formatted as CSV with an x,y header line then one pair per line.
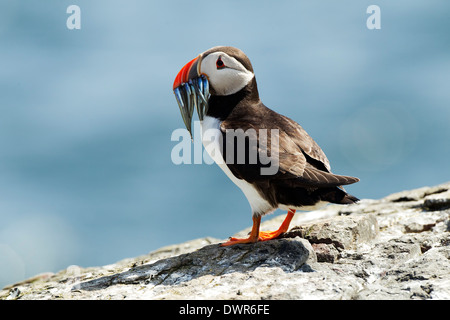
x,y
397,247
325,252
419,224
343,232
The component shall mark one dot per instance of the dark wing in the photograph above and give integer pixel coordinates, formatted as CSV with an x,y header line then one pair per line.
x,y
303,141
301,162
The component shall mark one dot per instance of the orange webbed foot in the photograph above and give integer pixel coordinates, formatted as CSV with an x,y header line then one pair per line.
x,y
256,235
233,241
269,235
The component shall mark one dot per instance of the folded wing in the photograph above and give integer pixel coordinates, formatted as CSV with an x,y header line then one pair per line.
x,y
301,162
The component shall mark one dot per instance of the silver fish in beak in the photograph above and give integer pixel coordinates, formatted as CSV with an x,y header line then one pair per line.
x,y
191,91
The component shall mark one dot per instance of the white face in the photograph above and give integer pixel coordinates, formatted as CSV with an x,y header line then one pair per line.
x,y
226,75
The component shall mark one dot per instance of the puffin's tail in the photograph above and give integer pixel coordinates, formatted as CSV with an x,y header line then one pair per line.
x,y
337,195
349,199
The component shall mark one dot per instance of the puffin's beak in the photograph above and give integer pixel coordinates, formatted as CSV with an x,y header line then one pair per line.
x,y
191,89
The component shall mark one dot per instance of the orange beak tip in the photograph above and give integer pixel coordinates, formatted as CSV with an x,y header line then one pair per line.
x,y
183,74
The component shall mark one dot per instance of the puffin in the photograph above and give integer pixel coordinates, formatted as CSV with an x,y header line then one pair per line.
x,y
269,156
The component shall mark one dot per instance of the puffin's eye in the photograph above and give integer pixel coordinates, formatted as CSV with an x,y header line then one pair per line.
x,y
220,64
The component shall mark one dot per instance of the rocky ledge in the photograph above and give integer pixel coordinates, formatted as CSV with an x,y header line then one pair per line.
x,y
397,247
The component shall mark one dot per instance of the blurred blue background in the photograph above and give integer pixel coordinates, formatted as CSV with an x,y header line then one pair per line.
x,y
86,116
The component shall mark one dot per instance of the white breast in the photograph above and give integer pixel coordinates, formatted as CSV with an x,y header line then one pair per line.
x,y
210,139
